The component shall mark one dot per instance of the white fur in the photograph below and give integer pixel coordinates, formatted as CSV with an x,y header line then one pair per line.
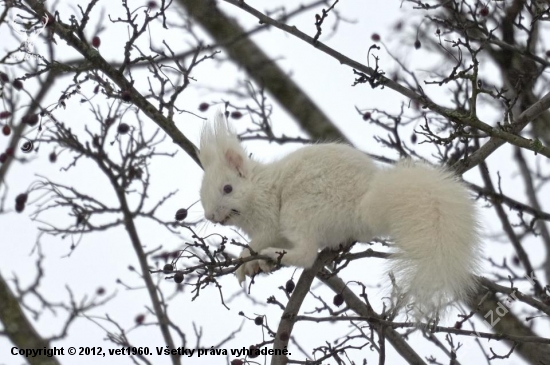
x,y
330,194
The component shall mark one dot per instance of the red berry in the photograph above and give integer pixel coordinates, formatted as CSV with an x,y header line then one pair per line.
x,y
140,318
237,362
53,157
100,291
19,208
181,214
375,37
109,121
458,325
27,147
4,77
258,321
21,198
178,278
289,286
168,268
366,116
484,11
96,42
417,44
126,96
10,151
6,130
203,107
18,84
547,53
3,157
123,128
338,300
30,119
236,114
152,5
5,114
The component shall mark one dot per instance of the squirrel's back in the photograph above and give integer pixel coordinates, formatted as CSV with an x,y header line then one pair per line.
x,y
320,187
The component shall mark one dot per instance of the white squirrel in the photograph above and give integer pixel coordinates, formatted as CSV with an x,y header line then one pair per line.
x,y
324,195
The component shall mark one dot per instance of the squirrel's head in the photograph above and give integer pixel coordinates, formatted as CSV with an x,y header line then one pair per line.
x,y
226,188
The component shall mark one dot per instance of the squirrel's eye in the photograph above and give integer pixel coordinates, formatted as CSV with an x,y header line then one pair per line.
x,y
227,189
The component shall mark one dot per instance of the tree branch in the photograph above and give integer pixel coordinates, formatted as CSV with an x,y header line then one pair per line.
x,y
228,33
18,328
453,115
359,307
293,307
93,56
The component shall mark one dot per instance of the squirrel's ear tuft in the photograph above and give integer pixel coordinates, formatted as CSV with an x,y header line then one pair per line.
x,y
220,143
207,146
235,160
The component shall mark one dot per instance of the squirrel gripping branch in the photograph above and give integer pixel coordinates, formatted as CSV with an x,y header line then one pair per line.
x,y
325,195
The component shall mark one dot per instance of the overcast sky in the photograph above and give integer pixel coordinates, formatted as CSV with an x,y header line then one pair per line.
x,y
102,258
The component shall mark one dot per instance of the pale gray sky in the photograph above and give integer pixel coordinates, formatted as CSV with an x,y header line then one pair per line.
x,y
102,258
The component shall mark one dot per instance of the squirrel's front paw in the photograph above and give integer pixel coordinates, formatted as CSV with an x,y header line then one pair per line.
x,y
251,268
242,270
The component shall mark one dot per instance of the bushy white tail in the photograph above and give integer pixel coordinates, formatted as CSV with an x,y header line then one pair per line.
x,y
428,213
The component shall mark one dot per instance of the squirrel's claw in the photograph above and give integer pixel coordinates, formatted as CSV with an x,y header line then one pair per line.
x,y
252,268
240,275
